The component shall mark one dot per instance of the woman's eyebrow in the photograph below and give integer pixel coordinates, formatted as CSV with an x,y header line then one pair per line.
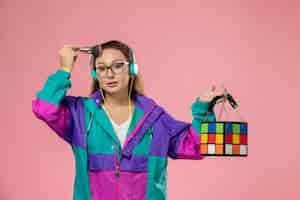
x,y
112,61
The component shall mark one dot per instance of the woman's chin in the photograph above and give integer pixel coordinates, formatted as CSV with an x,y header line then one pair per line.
x,y
112,90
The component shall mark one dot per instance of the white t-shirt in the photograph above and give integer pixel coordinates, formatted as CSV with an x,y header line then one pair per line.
x,y
120,129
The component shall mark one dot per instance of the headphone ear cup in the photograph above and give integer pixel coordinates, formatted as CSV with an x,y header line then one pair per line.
x,y
133,67
92,68
95,52
94,75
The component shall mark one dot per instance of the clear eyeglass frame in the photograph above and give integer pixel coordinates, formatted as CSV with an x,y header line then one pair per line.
x,y
116,67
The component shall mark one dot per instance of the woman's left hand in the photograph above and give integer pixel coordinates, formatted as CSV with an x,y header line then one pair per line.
x,y
209,94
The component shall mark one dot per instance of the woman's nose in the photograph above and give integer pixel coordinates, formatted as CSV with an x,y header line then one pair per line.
x,y
110,72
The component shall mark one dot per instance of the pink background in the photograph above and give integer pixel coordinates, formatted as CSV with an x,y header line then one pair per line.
x,y
182,47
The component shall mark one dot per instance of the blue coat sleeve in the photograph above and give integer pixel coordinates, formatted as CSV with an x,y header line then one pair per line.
x,y
62,113
184,142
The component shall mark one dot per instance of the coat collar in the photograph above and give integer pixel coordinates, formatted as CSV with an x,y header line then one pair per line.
x,y
143,102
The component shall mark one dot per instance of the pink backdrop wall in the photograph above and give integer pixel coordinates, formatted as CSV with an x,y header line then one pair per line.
x,y
182,48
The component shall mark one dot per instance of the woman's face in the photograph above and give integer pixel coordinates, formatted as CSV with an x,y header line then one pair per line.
x,y
120,81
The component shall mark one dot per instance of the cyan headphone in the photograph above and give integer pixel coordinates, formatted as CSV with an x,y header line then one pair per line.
x,y
95,52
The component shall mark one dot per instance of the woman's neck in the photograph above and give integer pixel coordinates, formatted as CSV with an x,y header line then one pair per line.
x,y
117,99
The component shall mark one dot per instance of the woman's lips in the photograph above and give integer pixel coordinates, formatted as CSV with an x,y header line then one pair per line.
x,y
112,84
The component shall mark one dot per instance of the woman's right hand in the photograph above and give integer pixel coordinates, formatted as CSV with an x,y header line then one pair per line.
x,y
67,57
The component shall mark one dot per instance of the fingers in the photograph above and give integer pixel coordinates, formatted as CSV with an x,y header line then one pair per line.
x,y
211,93
212,90
72,46
217,91
75,48
75,58
213,87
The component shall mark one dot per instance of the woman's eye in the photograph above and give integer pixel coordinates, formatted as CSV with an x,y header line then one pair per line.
x,y
101,68
118,65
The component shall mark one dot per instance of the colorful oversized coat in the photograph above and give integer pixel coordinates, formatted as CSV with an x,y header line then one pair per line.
x,y
104,170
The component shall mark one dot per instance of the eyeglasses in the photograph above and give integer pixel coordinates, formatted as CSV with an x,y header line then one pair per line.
x,y
116,67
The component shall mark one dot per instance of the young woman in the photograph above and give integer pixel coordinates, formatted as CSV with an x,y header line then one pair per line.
x,y
121,139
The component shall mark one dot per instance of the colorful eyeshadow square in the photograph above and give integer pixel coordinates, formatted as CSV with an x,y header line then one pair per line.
x,y
203,149
204,138
228,127
211,127
211,149
228,149
211,138
243,139
244,128
204,127
228,139
219,128
235,128
236,149
219,138
235,139
243,149
219,149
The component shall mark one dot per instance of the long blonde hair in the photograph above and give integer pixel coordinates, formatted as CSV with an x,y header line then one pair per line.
x,y
138,86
